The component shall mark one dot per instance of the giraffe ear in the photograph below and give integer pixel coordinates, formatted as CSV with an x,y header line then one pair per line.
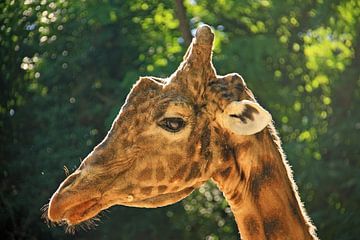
x,y
244,117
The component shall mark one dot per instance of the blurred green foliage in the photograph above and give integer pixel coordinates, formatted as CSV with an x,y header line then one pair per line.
x,y
66,67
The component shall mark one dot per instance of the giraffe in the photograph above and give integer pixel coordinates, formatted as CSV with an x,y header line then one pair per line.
x,y
172,135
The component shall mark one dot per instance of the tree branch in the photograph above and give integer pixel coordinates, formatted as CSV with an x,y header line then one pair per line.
x,y
184,24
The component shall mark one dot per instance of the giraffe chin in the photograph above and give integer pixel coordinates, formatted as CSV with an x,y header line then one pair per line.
x,y
89,209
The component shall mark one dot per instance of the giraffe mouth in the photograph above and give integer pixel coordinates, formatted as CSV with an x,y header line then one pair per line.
x,y
82,211
73,208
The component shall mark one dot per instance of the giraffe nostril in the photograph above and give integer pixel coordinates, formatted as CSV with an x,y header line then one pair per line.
x,y
68,181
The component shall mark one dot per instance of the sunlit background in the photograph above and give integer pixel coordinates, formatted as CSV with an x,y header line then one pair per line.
x,y
66,67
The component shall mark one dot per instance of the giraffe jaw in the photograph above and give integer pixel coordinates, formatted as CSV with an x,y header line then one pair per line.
x,y
160,200
88,209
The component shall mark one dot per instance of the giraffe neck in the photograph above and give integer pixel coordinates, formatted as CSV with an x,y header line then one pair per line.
x,y
258,185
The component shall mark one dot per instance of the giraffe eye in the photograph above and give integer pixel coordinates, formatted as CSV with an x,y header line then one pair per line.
x,y
172,124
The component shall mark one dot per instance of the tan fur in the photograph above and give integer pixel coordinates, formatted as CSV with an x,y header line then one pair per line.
x,y
142,164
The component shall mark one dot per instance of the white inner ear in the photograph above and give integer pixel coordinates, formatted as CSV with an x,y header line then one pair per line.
x,y
244,117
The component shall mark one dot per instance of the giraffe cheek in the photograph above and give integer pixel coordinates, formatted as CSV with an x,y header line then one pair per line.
x,y
145,174
179,173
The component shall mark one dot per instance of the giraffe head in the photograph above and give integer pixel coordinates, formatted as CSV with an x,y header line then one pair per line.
x,y
169,138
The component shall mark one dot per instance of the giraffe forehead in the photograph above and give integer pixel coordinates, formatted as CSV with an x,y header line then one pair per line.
x,y
176,108
149,97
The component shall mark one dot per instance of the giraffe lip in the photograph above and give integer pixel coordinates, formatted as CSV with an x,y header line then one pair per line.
x,y
82,211
72,207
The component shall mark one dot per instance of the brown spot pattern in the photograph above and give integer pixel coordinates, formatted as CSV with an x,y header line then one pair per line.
x,y
251,225
160,111
239,87
227,95
191,150
225,173
242,175
136,122
179,173
160,173
146,190
194,171
272,226
237,167
145,174
217,130
205,143
229,87
263,176
162,188
227,152
175,160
